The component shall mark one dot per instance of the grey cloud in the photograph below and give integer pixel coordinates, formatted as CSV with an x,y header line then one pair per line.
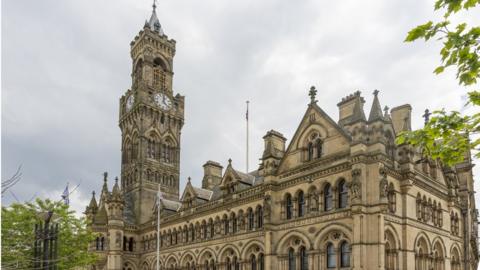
x,y
66,63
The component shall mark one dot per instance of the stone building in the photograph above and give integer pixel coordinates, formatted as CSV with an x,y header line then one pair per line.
x,y
339,195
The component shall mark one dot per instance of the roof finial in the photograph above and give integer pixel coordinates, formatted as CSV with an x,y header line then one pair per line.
x,y
105,175
426,116
229,161
385,109
189,179
375,93
312,93
154,6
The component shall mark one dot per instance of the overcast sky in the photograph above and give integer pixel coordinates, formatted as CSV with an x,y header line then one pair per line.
x,y
66,63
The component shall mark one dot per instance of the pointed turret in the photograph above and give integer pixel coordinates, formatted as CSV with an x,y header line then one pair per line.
x,y
376,110
116,192
104,194
92,207
154,22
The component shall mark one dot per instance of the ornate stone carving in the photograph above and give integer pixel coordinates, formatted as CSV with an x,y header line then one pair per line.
x,y
383,185
267,208
356,185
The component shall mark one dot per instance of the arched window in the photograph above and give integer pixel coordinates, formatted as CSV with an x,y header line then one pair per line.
x,y
301,204
236,264
303,259
318,147
310,151
291,259
130,244
234,223
259,217
124,243
328,197
261,262
97,243
331,256
228,264
344,254
253,262
205,230
212,228
251,223
342,194
288,206
226,225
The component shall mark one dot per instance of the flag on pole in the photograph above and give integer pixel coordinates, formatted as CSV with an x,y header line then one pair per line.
x,y
65,196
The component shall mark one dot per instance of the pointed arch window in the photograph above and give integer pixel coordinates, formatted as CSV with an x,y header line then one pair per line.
x,y
226,225
344,254
342,194
261,262
291,259
253,262
251,218
331,256
234,223
319,148
288,206
328,197
301,204
259,217
303,259
309,151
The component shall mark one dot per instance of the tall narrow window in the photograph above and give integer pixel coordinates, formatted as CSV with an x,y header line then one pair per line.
x,y
259,217
97,243
236,264
291,259
261,262
331,256
342,194
310,151
226,225
328,197
303,259
301,204
344,254
288,206
212,228
229,266
234,223
251,223
318,147
253,262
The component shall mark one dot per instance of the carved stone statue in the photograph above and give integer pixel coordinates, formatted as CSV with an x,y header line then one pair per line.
x,y
383,186
267,208
314,199
356,185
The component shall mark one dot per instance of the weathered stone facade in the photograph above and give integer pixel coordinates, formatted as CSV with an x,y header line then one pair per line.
x,y
340,195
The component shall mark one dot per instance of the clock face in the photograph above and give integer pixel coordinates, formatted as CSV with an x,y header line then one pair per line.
x,y
130,102
163,101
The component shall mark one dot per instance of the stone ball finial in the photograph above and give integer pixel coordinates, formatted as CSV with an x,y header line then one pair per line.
x,y
105,175
229,161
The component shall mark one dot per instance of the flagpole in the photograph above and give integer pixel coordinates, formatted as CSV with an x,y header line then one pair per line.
x,y
158,227
247,138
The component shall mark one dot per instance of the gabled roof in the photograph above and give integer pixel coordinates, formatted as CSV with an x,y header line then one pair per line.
x,y
306,122
196,192
237,175
171,205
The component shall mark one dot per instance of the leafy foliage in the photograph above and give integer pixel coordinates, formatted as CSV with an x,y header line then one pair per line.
x,y
451,136
18,223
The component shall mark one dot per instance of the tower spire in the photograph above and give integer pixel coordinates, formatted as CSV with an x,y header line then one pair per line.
x,y
154,23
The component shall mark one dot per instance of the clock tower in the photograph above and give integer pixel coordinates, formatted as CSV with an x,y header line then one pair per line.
x,y
151,119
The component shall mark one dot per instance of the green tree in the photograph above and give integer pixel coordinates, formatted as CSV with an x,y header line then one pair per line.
x,y
18,223
449,136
